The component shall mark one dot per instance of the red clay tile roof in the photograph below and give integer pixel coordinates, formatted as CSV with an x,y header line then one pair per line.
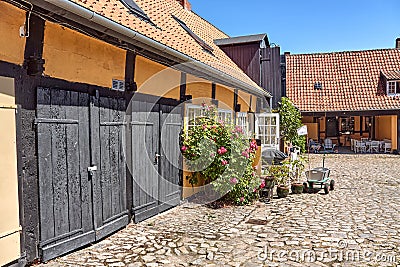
x,y
169,32
350,80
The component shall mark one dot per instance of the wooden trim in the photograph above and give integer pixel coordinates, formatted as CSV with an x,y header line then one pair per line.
x,y
213,90
235,98
34,62
130,84
182,87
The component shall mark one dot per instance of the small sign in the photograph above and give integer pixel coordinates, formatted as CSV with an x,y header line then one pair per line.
x,y
302,130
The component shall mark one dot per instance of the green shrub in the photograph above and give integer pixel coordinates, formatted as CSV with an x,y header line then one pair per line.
x,y
222,155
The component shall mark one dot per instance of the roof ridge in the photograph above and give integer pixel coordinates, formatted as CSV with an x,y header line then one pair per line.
x,y
343,52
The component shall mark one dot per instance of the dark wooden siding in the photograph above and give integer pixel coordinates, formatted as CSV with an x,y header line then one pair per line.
x,y
271,73
262,65
247,57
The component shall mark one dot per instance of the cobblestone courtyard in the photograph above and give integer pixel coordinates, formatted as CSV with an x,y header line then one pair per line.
x,y
358,224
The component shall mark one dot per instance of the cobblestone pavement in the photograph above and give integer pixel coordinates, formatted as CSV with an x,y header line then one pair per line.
x,y
358,224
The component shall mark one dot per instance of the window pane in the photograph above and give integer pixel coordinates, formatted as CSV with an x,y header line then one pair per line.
x,y
268,140
273,130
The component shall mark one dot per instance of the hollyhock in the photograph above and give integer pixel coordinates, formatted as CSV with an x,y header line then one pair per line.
x,y
224,162
262,185
184,148
241,199
233,180
222,150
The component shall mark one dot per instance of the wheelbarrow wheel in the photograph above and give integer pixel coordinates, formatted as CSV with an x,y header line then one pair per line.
x,y
326,189
332,185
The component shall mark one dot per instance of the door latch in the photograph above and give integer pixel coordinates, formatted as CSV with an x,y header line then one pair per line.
x,y
157,157
92,169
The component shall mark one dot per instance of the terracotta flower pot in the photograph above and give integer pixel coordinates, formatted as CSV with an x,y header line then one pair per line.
x,y
297,188
282,191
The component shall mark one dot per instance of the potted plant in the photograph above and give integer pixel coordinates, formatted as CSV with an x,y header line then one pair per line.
x,y
267,185
297,167
281,177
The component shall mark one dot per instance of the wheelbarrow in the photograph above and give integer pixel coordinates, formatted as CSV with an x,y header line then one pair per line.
x,y
317,179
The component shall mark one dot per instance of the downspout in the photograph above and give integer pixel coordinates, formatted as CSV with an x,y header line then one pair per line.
x,y
131,35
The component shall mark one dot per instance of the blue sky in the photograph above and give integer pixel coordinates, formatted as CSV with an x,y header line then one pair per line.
x,y
309,26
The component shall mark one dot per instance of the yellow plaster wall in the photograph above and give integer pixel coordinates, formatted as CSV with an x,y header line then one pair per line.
x,y
312,129
156,79
386,128
72,56
9,207
244,101
12,46
383,127
200,89
224,96
188,189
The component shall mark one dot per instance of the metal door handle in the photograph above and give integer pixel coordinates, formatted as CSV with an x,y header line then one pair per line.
x,y
157,157
92,169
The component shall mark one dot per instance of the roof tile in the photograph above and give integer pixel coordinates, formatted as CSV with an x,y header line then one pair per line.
x,y
169,32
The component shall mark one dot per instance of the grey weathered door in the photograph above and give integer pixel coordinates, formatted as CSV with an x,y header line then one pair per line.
x,y
145,166
155,158
171,125
78,206
107,117
65,191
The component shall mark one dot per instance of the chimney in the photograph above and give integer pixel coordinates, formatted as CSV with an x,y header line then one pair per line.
x,y
185,4
398,43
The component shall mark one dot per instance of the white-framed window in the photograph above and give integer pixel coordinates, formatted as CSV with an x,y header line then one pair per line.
x,y
192,112
393,87
267,129
225,115
242,121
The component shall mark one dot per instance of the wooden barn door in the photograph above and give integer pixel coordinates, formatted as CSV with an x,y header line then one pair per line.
x,y
108,164
155,158
81,169
145,125
171,126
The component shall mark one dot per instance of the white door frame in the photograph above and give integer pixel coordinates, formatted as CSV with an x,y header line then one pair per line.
x,y
262,121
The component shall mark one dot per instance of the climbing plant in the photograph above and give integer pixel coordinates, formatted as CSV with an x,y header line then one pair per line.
x,y
221,154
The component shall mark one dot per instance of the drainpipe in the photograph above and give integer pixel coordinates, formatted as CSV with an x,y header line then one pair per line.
x,y
110,27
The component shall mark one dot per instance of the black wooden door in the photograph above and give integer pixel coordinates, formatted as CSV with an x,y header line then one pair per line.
x,y
155,158
79,205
